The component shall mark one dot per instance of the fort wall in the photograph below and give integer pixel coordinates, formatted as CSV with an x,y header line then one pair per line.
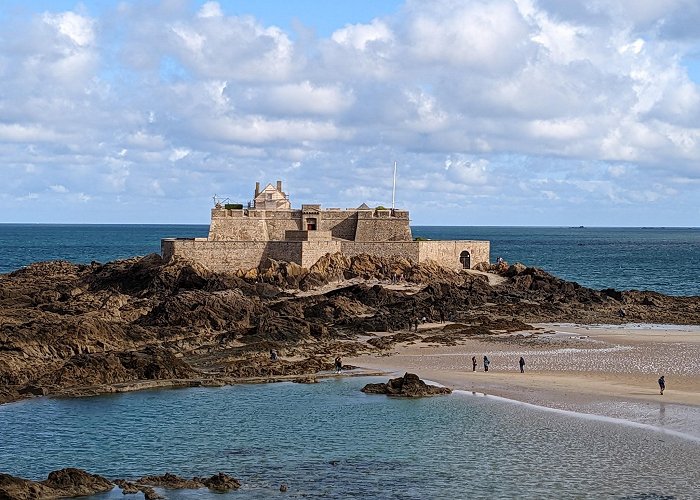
x,y
341,223
381,225
395,249
447,253
270,225
311,251
230,256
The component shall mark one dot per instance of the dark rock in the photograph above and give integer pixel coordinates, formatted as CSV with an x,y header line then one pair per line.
x,y
15,488
221,482
72,482
59,484
149,493
33,390
170,481
306,380
408,386
127,487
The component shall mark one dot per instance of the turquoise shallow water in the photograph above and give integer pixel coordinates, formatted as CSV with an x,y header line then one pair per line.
x,y
660,259
329,440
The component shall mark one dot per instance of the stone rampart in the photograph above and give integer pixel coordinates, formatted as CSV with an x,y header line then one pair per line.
x,y
230,256
381,225
311,251
447,253
271,225
396,249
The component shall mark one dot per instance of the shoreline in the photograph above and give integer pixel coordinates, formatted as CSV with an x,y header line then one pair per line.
x,y
591,371
587,416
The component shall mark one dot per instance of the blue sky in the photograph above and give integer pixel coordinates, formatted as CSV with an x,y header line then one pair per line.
x,y
498,112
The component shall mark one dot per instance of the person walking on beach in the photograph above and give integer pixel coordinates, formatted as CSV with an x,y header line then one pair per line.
x,y
486,364
522,365
338,364
473,363
662,384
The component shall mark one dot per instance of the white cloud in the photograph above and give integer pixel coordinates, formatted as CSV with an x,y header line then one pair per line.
x,y
534,103
303,98
80,30
359,36
178,154
210,9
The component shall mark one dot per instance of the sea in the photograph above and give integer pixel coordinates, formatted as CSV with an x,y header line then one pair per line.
x,y
329,440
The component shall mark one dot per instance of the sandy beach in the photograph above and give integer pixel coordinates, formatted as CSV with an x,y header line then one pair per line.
x,y
608,370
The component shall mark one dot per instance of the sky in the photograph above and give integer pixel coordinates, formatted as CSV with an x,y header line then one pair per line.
x,y
497,112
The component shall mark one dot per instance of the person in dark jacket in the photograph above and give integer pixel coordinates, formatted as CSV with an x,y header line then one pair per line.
x,y
486,364
662,384
522,365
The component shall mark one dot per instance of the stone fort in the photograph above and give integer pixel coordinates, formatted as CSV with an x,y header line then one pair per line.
x,y
242,238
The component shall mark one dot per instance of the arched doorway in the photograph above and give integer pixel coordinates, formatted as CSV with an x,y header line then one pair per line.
x,y
465,259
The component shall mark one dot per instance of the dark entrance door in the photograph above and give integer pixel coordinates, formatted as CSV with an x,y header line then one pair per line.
x,y
311,224
465,259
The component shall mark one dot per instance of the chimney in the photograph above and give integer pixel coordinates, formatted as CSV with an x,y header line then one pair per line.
x,y
279,186
257,189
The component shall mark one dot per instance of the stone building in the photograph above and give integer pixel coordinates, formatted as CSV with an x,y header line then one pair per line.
x,y
241,238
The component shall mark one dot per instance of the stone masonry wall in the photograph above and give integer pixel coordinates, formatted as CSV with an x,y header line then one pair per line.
x,y
404,249
311,251
380,225
353,225
232,225
447,253
230,256
341,223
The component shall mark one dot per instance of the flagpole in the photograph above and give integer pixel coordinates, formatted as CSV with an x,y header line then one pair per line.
x,y
393,191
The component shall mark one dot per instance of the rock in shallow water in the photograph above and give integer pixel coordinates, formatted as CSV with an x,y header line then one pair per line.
x,y
64,483
408,386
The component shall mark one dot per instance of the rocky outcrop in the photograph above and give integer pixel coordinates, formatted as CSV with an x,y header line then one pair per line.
x,y
64,483
218,482
79,329
408,386
69,483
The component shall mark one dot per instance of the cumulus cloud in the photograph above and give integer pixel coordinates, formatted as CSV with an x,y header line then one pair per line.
x,y
507,107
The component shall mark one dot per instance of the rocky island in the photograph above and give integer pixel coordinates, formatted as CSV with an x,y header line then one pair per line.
x,y
75,330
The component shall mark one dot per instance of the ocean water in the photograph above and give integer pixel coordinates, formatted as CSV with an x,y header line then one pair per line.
x,y
659,259
329,440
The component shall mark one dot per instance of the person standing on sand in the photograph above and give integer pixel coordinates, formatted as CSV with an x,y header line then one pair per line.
x,y
486,364
473,363
522,365
338,364
662,384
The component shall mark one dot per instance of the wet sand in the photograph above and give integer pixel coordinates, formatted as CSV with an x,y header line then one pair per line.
x,y
609,370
